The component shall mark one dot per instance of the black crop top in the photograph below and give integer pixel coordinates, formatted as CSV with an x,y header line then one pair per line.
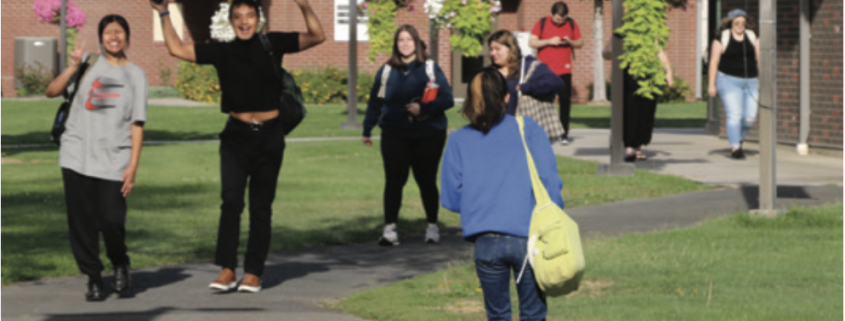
x,y
243,67
732,63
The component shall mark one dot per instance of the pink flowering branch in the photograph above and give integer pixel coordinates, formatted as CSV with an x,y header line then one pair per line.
x,y
49,11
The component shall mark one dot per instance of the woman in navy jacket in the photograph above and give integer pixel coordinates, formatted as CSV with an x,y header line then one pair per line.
x,y
507,58
485,178
413,132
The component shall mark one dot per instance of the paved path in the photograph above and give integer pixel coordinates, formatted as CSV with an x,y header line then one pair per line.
x,y
300,284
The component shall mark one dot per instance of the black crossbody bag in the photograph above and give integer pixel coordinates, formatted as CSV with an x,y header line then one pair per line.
x,y
292,111
64,109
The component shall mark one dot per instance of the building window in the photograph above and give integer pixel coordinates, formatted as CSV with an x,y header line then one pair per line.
x,y
341,21
175,17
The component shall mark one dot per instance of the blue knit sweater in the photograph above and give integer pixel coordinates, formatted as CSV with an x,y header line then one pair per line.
x,y
404,85
485,178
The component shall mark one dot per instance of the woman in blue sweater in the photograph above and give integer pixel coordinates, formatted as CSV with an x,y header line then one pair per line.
x,y
507,58
485,178
413,131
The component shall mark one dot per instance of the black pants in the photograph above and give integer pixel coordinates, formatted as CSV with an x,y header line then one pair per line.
x,y
422,155
637,116
251,155
565,101
95,205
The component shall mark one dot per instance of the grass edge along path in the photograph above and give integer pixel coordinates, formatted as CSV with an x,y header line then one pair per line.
x,y
729,268
174,208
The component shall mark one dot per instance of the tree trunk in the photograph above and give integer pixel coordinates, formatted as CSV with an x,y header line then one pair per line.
x,y
599,92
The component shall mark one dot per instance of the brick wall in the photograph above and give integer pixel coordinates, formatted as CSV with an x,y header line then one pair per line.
x,y
18,20
680,49
825,70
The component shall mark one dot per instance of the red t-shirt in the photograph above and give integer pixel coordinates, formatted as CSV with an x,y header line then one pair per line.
x,y
558,58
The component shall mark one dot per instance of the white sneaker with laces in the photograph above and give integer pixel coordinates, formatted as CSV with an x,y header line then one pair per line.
x,y
565,141
432,234
389,237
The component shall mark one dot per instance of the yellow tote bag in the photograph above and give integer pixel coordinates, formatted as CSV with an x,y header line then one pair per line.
x,y
554,243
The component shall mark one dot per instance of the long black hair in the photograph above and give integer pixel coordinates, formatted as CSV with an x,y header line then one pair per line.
x,y
109,19
485,104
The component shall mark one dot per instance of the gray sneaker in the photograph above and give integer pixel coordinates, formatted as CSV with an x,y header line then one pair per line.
x,y
432,234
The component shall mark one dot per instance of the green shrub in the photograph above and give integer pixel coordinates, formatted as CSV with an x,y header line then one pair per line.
x,y
198,83
319,86
675,94
34,80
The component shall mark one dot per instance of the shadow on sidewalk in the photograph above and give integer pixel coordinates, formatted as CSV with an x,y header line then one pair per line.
x,y
148,315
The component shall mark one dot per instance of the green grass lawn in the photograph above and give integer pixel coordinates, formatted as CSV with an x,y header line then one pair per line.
x,y
329,193
28,121
732,268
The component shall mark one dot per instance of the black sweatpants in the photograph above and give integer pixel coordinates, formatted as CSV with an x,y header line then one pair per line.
x,y
638,114
95,205
420,154
249,155
565,101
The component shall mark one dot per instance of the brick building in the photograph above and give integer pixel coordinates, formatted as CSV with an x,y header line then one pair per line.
x,y
18,20
825,72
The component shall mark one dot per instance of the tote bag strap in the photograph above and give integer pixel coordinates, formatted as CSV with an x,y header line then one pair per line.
x,y
541,196
384,74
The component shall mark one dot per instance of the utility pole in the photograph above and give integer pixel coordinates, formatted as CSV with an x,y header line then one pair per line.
x,y
62,37
617,166
768,108
352,84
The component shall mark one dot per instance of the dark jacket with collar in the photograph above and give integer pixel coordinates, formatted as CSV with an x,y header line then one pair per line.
x,y
542,82
404,85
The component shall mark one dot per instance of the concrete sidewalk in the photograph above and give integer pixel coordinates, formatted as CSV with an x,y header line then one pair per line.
x,y
691,154
301,284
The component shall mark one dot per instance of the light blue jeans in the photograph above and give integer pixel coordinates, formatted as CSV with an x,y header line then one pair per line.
x,y
739,98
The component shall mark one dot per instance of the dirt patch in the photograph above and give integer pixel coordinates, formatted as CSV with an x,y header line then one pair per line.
x,y
6,160
592,289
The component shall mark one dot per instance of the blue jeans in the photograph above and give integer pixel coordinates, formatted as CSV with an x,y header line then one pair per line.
x,y
739,98
496,255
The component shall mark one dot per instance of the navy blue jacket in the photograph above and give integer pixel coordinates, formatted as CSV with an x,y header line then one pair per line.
x,y
542,82
403,86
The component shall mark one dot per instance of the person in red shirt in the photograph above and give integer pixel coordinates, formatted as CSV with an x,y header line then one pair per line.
x,y
555,37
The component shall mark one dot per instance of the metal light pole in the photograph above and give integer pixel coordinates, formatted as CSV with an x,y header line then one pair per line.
x,y
768,101
617,166
352,88
63,37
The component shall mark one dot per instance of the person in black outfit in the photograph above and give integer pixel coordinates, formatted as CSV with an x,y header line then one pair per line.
x,y
252,143
413,132
639,113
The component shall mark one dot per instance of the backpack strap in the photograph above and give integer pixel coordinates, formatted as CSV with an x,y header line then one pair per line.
x,y
429,70
384,74
84,68
542,26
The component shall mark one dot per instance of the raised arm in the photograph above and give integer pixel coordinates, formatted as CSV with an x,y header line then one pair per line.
x,y
314,34
58,85
174,44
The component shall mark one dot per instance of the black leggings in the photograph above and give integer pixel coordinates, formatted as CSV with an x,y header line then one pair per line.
x,y
420,154
249,156
95,206
565,102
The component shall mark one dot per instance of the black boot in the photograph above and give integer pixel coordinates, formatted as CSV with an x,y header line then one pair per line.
x,y
122,280
95,290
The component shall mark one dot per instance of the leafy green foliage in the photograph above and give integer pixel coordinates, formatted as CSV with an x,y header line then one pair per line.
x,y
198,83
473,23
645,32
380,27
331,85
675,94
34,80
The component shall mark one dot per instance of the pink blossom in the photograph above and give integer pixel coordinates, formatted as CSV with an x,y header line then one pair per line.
x,y
48,11
464,2
373,11
366,5
452,14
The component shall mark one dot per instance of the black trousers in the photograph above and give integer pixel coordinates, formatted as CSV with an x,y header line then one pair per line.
x,y
637,116
565,101
420,154
251,156
95,205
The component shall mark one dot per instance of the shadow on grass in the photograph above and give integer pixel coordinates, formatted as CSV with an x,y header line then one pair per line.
x,y
43,137
147,315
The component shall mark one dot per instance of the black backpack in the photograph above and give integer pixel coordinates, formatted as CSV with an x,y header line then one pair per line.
x,y
292,111
571,26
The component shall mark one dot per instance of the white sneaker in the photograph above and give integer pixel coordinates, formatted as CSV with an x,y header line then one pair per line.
x,y
565,141
432,234
389,237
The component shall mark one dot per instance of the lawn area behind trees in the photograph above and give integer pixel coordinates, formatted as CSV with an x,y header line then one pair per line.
x,y
27,122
